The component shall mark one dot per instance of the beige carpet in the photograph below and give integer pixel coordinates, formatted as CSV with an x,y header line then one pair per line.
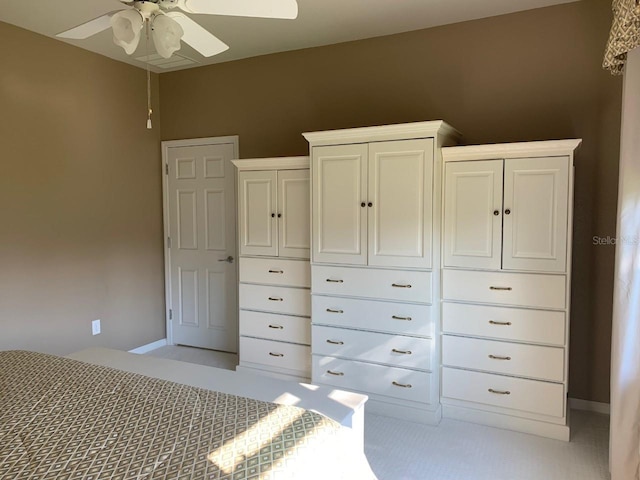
x,y
400,450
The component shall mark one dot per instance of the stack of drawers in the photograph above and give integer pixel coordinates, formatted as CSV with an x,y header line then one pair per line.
x,y
373,333
503,348
275,307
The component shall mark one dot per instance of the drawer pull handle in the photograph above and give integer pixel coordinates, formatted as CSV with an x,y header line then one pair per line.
x,y
276,271
498,357
506,289
337,374
492,322
275,299
403,385
333,342
403,352
330,280
276,354
500,392
397,285
396,317
330,310
276,327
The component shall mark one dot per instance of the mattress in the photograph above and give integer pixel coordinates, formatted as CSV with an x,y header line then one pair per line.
x,y
61,419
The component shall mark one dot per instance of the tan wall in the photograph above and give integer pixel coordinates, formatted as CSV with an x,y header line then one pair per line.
x,y
80,200
527,76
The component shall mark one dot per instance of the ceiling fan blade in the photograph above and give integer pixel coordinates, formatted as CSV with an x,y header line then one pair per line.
x,y
198,37
243,8
89,28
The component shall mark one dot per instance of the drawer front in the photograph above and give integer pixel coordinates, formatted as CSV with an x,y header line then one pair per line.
x,y
274,271
392,317
394,350
369,378
506,392
404,286
272,326
293,301
545,363
535,326
276,354
520,289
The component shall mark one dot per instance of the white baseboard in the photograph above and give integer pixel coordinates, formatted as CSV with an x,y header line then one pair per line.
x,y
589,406
149,347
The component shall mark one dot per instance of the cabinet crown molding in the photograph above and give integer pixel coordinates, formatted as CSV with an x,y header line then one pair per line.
x,y
274,163
383,133
511,150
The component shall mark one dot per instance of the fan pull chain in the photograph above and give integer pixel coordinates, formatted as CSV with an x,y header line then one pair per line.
x,y
149,110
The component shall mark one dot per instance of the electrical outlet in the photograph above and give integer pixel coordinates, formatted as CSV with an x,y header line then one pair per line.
x,y
95,327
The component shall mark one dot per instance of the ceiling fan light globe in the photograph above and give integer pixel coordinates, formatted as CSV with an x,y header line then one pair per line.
x,y
167,34
127,26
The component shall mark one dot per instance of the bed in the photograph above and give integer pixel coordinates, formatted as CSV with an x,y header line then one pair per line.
x,y
63,419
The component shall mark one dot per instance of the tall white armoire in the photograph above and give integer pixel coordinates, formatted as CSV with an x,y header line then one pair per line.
x,y
375,219
506,284
273,231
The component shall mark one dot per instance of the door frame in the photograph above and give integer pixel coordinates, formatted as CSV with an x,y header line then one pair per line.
x,y
192,142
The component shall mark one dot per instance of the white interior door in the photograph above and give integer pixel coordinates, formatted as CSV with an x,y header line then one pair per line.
x,y
293,213
200,202
536,196
340,204
258,206
400,212
473,214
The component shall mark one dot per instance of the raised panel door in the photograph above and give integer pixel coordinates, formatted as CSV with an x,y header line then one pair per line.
x,y
339,193
293,213
201,201
400,178
473,214
536,192
257,206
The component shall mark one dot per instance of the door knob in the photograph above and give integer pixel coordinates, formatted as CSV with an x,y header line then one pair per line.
x,y
496,213
363,204
507,211
229,259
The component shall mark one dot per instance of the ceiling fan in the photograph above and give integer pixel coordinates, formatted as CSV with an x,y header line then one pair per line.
x,y
169,27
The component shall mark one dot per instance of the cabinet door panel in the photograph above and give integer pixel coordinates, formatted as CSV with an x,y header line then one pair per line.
x,y
472,230
399,222
339,188
535,230
257,206
294,213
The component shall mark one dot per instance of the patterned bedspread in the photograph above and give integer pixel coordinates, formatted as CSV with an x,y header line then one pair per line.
x,y
61,419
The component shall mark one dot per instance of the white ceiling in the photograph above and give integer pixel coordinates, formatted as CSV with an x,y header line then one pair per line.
x,y
320,22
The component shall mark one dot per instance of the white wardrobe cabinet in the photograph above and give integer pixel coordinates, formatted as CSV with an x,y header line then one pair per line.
x,y
372,203
375,299
508,214
506,284
274,270
273,208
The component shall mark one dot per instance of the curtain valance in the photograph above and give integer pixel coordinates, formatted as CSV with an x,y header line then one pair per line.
x,y
624,36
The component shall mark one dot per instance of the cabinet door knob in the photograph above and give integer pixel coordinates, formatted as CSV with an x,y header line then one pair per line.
x,y
273,215
279,215
370,204
507,211
496,212
363,204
